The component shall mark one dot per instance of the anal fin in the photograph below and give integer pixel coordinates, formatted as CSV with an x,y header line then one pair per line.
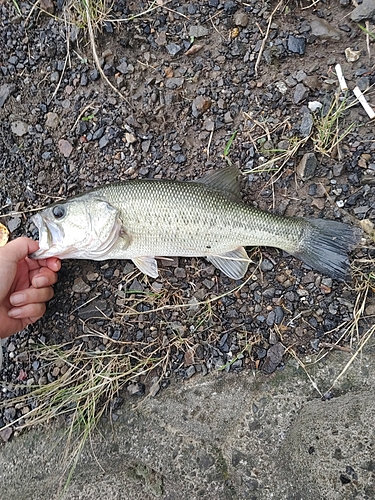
x,y
147,265
234,263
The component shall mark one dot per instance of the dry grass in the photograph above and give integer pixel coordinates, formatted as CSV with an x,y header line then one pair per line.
x,y
89,381
355,333
88,385
328,125
327,134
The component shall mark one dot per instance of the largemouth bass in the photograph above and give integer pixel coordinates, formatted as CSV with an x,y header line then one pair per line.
x,y
144,219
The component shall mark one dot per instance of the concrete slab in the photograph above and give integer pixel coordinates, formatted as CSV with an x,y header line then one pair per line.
x,y
219,437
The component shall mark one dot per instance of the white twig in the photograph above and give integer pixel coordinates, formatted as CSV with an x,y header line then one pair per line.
x,y
361,98
341,78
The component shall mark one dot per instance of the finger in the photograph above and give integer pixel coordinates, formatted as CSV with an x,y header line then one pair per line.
x,y
43,277
52,263
31,296
38,266
31,312
18,249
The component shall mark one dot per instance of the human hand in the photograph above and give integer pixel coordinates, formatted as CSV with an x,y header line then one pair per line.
x,y
25,285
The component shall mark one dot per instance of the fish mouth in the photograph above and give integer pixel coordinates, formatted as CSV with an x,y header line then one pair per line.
x,y
49,236
53,243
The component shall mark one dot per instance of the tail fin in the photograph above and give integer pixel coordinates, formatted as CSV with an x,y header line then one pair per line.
x,y
325,247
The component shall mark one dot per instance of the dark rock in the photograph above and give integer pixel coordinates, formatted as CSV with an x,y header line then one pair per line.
x,y
198,31
180,159
271,318
13,60
345,27
94,75
269,293
274,357
363,83
296,45
122,67
300,76
337,169
279,315
95,309
300,93
108,28
98,134
190,371
266,265
180,272
136,286
365,10
55,76
307,166
103,141
173,49
312,189
192,9
260,353
174,83
84,80
230,7
306,124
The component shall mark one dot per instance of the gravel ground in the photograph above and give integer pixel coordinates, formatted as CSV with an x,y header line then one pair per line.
x,y
192,76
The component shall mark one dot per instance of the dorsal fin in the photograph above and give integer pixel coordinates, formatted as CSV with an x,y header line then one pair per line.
x,y
224,180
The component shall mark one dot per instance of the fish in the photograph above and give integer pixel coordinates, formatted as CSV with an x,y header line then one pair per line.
x,y
146,219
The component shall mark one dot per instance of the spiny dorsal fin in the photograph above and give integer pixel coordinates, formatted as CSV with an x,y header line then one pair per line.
x,y
224,180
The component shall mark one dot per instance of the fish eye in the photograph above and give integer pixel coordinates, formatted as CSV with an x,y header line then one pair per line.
x,y
59,211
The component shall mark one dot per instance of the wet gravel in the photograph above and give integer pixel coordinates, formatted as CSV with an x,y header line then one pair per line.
x,y
191,77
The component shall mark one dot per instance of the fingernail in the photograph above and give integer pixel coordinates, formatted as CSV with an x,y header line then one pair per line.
x,y
40,281
17,298
15,313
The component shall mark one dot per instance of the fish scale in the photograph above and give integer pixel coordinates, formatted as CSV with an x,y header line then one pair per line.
x,y
167,218
142,219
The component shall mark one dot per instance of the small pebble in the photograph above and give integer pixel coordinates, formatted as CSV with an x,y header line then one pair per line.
x,y
65,148
80,286
19,128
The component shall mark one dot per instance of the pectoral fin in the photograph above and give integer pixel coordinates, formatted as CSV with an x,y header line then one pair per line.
x,y
147,265
234,263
